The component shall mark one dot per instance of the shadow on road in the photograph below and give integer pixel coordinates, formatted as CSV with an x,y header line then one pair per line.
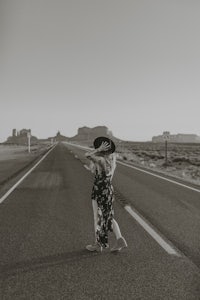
x,y
45,262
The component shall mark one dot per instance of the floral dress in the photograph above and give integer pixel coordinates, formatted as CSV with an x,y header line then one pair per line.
x,y
103,193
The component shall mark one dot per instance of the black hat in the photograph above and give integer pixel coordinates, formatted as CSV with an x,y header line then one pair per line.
x,y
99,140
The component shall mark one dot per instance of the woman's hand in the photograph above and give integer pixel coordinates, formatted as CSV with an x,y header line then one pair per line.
x,y
105,146
93,155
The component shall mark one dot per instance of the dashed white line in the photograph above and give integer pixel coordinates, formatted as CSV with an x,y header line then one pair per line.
x,y
23,177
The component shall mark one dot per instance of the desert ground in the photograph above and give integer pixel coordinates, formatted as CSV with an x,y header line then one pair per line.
x,y
183,160
14,158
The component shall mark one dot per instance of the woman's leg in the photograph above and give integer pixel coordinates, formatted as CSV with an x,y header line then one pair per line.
x,y
120,240
95,209
116,229
95,246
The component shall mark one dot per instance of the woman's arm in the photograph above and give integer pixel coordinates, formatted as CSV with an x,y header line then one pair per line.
x,y
92,155
93,152
91,167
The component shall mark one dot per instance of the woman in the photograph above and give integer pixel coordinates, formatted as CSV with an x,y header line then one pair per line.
x,y
103,164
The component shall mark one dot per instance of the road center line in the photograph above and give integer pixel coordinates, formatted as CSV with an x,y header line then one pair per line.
x,y
23,177
165,245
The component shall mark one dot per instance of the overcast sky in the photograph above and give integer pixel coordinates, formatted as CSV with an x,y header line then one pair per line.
x,y
132,65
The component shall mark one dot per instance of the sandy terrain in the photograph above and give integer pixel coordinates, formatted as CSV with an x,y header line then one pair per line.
x,y
14,151
183,160
15,158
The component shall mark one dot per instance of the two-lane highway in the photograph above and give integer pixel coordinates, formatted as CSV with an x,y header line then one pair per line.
x,y
171,206
47,221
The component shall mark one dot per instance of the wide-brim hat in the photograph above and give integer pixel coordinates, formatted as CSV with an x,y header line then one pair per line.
x,y
99,140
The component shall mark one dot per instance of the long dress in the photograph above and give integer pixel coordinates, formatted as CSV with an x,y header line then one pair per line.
x,y
103,193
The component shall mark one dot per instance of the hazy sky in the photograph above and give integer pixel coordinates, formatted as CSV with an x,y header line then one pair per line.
x,y
132,65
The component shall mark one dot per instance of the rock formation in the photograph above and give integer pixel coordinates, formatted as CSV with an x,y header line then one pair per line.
x,y
87,134
21,137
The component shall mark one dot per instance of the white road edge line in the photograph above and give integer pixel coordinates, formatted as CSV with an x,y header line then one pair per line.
x,y
21,179
147,172
166,246
159,176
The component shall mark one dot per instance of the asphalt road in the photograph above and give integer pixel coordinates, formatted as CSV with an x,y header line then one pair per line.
x,y
46,222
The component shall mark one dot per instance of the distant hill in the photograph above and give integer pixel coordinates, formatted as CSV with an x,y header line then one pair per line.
x,y
58,138
177,138
86,135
